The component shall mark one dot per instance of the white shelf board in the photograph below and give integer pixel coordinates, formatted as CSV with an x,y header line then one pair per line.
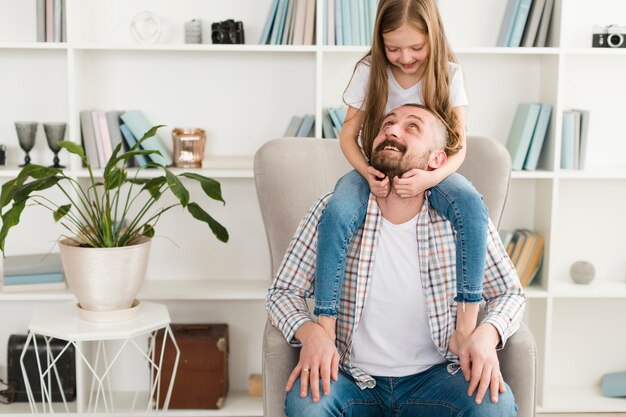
x,y
498,50
205,290
535,292
532,175
195,48
577,399
34,45
595,289
595,51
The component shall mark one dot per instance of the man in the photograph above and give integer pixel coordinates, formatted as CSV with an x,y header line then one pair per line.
x,y
397,311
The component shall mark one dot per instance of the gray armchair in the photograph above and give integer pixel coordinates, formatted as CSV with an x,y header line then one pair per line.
x,y
290,174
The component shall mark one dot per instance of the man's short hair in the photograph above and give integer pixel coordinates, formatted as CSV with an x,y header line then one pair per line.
x,y
441,134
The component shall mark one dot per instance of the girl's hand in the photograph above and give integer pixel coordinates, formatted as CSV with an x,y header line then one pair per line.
x,y
379,183
413,182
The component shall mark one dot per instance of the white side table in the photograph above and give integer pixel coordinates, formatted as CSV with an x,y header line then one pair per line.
x,y
62,322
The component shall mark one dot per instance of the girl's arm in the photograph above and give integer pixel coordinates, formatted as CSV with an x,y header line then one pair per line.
x,y
417,181
348,141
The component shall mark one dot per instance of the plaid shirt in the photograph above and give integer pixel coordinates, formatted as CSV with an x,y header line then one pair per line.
x,y
295,282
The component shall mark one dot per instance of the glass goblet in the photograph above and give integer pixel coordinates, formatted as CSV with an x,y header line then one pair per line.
x,y
26,133
55,132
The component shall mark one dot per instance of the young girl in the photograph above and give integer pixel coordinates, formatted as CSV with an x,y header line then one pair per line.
x,y
410,61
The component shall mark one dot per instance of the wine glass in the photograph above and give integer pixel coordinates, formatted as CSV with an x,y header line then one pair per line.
x,y
55,132
26,133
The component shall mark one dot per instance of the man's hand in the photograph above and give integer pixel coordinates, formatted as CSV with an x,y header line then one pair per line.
x,y
479,350
318,358
379,183
413,182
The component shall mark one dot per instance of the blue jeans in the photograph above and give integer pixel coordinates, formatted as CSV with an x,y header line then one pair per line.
x,y
432,393
455,198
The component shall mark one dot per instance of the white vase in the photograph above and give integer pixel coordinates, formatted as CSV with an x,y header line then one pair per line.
x,y
105,279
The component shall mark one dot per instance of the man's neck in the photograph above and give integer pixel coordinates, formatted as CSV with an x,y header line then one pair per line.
x,y
400,210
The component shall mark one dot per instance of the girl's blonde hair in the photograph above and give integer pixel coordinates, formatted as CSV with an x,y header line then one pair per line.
x,y
424,16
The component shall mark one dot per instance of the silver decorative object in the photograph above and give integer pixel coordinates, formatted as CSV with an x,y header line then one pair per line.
x,y
193,31
26,133
582,272
55,132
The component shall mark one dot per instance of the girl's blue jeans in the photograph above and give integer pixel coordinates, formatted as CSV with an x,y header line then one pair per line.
x,y
432,393
455,198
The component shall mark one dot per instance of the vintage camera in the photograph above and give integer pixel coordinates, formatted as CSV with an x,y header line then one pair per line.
x,y
228,31
611,36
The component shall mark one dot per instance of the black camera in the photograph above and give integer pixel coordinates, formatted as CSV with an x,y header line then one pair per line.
x,y
611,36
228,31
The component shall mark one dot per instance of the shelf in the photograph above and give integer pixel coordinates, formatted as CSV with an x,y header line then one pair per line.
x,y
201,290
34,45
535,292
595,51
575,399
495,50
196,48
595,289
594,174
532,175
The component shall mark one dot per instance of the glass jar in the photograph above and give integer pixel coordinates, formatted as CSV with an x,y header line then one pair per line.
x,y
188,147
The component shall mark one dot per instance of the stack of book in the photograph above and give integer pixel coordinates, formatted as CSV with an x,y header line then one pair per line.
x,y
527,134
290,22
349,22
102,131
301,126
332,121
525,23
525,248
574,139
32,273
51,26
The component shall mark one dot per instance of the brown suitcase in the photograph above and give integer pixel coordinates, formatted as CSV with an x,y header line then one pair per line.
x,y
202,376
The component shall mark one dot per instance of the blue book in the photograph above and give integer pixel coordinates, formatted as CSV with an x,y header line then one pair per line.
x,y
294,125
267,29
140,160
373,8
305,126
346,24
289,21
521,133
614,384
568,140
32,279
584,133
507,22
521,16
356,23
279,23
325,22
338,22
327,126
139,125
539,135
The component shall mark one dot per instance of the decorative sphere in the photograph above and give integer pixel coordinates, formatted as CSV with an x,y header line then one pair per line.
x,y
582,272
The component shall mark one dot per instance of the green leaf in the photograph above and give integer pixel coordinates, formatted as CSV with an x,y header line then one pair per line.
x,y
61,212
114,178
7,192
210,186
177,188
151,132
22,193
127,155
10,219
113,159
37,172
74,148
218,230
153,186
148,231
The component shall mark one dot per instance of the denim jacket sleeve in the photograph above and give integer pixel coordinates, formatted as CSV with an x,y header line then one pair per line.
x,y
502,289
294,282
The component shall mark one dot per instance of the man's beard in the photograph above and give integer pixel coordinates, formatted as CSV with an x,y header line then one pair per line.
x,y
395,166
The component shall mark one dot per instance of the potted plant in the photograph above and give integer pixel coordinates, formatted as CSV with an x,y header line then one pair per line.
x,y
110,220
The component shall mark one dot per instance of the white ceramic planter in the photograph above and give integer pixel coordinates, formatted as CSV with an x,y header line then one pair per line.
x,y
105,279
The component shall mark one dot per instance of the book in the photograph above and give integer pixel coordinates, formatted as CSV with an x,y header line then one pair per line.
x,y
306,126
521,133
279,24
519,243
89,139
130,139
505,237
39,263
299,22
41,20
95,122
294,125
355,13
532,23
584,133
288,23
139,125
544,24
309,23
327,125
576,138
9,280
567,140
520,22
506,27
538,138
532,263
346,24
57,14
269,23
105,136
49,20
44,286
113,126
338,22
330,22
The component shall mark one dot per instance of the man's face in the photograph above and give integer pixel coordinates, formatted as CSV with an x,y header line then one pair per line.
x,y
406,141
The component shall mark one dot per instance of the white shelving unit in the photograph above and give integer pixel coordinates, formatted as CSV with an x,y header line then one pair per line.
x,y
244,95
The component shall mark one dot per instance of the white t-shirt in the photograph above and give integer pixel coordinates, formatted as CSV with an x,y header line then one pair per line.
x,y
397,96
393,336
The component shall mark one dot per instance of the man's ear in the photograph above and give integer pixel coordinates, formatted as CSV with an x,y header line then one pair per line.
x,y
437,159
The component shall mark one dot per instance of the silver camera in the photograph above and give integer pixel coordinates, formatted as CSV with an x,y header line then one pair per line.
x,y
611,36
